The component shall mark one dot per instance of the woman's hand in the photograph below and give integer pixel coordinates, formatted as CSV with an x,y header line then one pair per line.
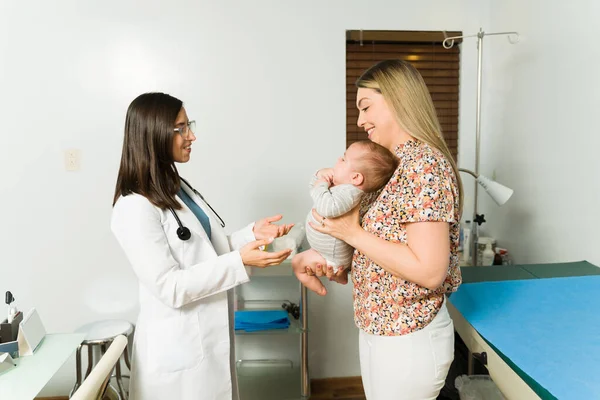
x,y
254,257
265,229
309,264
343,227
303,265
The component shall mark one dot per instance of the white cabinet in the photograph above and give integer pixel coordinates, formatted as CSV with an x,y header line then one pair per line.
x,y
273,364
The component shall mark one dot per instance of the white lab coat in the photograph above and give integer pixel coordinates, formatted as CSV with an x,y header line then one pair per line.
x,y
184,342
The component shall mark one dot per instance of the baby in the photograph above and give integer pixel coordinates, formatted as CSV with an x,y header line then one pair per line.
x,y
365,167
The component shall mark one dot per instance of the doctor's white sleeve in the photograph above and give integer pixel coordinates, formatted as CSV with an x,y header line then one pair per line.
x,y
239,239
137,226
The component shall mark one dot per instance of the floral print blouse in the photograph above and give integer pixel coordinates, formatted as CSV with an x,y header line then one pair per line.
x,y
423,188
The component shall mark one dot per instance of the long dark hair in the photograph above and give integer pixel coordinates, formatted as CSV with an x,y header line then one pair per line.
x,y
147,165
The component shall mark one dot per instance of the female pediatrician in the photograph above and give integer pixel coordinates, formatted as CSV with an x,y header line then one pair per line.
x,y
184,261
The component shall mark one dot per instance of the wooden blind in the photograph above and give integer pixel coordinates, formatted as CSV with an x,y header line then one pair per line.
x,y
438,66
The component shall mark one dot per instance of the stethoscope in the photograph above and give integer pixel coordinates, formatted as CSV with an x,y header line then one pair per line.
x,y
184,233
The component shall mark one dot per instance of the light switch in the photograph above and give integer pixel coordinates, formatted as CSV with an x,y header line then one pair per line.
x,y
73,159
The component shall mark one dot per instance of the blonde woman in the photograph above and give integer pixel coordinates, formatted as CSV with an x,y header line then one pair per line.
x,y
405,257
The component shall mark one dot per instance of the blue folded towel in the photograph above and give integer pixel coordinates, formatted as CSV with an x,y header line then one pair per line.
x,y
260,320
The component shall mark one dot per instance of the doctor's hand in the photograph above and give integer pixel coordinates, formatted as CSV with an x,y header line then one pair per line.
x,y
264,228
254,257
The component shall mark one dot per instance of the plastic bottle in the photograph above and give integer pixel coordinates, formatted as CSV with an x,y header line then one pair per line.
x,y
467,243
497,257
488,255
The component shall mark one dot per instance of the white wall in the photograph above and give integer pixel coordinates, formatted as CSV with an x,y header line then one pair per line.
x,y
541,134
69,69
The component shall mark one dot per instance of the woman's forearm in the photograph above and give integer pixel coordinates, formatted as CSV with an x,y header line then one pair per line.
x,y
397,258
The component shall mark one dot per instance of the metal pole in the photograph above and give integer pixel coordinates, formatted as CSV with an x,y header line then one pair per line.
x,y
304,377
477,142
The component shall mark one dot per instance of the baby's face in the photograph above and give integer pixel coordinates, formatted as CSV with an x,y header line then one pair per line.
x,y
343,168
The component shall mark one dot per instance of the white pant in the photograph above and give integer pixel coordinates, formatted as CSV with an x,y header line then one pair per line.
x,y
408,367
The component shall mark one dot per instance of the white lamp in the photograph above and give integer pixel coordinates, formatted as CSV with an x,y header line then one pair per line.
x,y
498,192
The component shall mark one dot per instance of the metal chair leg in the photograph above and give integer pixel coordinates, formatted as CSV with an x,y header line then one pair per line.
x,y
126,352
122,392
77,372
111,393
90,361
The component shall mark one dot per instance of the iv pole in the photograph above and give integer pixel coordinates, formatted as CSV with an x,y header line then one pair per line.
x,y
448,43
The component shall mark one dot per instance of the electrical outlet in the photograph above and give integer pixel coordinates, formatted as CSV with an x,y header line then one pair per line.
x,y
494,174
73,160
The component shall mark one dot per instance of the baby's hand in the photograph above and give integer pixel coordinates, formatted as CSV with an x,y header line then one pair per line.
x,y
325,181
325,174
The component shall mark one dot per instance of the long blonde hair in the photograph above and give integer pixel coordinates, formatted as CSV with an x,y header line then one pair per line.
x,y
404,89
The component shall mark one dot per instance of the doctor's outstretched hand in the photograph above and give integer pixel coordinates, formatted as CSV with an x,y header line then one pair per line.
x,y
265,228
253,256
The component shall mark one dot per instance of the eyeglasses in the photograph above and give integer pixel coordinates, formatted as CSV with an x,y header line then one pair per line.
x,y
185,131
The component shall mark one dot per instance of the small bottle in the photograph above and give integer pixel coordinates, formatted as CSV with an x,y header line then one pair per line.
x,y
467,243
505,257
488,255
497,258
